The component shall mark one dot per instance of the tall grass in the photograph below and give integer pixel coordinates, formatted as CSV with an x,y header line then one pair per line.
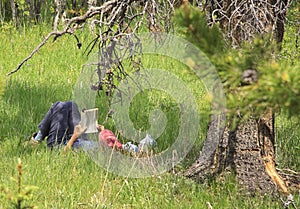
x,y
74,180
288,146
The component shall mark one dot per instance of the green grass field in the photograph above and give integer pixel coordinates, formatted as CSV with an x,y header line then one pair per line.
x,y
75,180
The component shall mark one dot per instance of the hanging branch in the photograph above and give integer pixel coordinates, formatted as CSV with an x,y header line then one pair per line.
x,y
115,24
32,53
71,26
113,20
243,20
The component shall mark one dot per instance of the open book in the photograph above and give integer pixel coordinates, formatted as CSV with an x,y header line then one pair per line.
x,y
89,120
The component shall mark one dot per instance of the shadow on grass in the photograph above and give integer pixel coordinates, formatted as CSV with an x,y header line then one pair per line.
x,y
25,103
23,106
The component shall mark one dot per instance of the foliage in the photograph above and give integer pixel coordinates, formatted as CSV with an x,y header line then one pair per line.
x,y
2,85
287,146
192,23
31,12
75,181
49,77
276,87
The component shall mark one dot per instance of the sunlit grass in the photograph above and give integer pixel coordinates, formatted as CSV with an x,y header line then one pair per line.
x,y
76,181
288,146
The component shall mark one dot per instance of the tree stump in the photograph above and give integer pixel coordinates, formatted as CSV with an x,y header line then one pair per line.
x,y
248,151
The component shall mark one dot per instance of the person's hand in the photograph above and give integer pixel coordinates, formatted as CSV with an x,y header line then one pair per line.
x,y
78,130
100,127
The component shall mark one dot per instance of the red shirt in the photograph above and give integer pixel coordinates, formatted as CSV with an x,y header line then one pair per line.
x,y
108,138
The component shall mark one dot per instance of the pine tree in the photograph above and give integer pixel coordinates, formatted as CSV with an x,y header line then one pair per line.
x,y
257,84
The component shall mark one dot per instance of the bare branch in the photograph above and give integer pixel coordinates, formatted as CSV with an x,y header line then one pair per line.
x,y
119,14
67,30
35,51
242,20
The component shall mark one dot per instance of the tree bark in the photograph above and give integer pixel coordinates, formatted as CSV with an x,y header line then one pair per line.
x,y
30,6
37,10
242,151
14,12
60,13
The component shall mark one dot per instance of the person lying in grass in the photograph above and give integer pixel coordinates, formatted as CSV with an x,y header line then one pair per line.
x,y
106,138
60,125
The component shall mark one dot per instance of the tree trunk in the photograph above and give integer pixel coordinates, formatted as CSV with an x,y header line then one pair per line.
x,y
60,13
2,11
30,4
37,10
248,150
14,12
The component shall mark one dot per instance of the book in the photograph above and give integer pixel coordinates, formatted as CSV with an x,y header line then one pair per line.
x,y
89,120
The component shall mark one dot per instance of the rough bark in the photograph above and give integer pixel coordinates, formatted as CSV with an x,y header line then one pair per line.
x,y
242,151
60,13
14,11
37,10
207,162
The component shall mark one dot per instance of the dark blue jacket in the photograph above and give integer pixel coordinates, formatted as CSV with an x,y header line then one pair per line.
x,y
58,124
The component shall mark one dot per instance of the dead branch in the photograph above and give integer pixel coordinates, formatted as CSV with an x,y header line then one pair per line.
x,y
114,19
289,201
297,38
243,20
67,30
271,171
32,53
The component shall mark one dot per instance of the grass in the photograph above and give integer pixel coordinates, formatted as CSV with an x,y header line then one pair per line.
x,y
288,149
76,181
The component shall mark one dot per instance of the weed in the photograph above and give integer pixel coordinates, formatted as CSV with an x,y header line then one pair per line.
x,y
22,194
76,181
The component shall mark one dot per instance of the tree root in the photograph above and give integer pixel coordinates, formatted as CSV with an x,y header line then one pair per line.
x,y
282,180
272,172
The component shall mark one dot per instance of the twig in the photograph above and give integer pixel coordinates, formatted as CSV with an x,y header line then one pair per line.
x,y
241,20
209,205
67,30
35,51
291,172
119,16
297,38
289,200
